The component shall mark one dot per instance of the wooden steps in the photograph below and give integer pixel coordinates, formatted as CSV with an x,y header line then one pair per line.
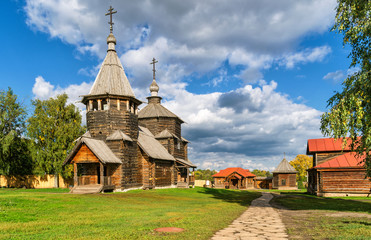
x,y
87,189
182,185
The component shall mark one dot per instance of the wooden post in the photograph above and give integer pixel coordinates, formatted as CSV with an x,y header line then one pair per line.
x,y
75,178
127,105
118,104
99,104
101,173
187,176
90,105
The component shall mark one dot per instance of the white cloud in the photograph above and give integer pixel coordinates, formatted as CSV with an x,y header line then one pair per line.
x,y
308,55
256,124
335,76
195,36
44,90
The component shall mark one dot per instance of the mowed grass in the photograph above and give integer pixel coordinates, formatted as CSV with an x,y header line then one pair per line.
x,y
34,214
326,218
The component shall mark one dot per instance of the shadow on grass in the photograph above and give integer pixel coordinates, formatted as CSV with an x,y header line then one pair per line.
x,y
241,197
302,201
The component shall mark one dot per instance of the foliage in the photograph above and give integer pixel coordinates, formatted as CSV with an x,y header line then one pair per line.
x,y
15,157
350,113
52,128
204,174
262,173
301,163
27,214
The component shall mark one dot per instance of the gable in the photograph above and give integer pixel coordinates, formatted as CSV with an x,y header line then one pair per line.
x,y
84,155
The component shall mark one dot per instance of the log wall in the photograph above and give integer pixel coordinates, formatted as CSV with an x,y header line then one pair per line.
x,y
349,181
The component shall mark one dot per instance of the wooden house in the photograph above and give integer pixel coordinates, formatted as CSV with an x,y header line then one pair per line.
x,y
263,182
336,170
120,150
234,178
284,176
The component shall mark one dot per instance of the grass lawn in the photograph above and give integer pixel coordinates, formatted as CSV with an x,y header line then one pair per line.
x,y
45,214
312,217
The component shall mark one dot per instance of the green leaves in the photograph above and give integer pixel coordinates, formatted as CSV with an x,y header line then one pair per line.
x,y
14,153
53,127
350,110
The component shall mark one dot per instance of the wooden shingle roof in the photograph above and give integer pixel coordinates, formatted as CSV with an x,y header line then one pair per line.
x,y
151,146
98,147
111,78
156,110
119,135
185,162
284,167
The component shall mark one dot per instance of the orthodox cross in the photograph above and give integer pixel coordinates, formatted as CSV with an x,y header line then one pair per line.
x,y
154,67
111,12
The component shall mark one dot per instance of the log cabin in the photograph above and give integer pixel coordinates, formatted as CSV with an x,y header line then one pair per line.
x,y
336,171
234,178
125,148
284,176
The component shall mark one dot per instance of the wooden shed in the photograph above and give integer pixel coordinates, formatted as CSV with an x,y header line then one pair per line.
x,y
336,170
284,176
234,178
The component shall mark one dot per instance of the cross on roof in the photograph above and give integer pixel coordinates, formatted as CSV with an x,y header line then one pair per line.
x,y
154,67
111,12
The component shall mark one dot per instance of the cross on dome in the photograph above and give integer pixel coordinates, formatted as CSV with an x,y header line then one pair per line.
x,y
110,13
154,67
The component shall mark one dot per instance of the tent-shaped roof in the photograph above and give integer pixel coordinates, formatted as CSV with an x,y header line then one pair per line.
x,y
151,146
165,134
111,78
228,171
327,145
156,110
119,135
284,167
98,147
347,160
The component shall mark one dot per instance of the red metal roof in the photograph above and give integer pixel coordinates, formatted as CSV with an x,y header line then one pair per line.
x,y
327,145
347,160
228,171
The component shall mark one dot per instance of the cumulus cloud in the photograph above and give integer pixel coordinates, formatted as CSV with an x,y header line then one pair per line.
x,y
194,36
43,90
252,125
308,55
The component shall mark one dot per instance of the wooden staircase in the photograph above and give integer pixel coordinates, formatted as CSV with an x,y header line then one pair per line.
x,y
87,189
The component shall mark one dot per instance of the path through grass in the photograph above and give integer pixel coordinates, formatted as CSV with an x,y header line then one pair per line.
x,y
27,214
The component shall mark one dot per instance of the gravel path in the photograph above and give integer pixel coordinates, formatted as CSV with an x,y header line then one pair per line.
x,y
259,221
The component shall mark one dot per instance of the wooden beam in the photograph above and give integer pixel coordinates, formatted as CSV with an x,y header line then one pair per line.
x,y
75,178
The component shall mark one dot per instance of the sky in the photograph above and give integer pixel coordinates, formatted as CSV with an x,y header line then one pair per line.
x,y
251,79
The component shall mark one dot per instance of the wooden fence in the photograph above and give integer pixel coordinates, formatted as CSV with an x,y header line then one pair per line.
x,y
31,181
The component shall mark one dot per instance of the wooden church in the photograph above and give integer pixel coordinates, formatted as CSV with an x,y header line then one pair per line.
x,y
125,148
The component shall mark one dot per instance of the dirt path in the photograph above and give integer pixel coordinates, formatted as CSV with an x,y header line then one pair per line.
x,y
259,221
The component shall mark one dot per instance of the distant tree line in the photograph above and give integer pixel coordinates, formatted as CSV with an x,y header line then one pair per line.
x,y
40,143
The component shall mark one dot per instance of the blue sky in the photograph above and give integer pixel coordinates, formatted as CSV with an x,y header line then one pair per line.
x,y
251,79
